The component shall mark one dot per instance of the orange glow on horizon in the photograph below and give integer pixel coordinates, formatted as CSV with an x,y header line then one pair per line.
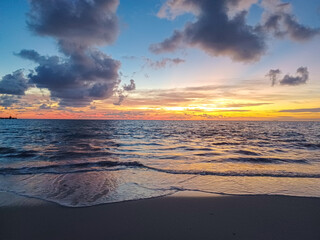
x,y
175,104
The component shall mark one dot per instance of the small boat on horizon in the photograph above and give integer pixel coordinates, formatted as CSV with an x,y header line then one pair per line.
x,y
8,117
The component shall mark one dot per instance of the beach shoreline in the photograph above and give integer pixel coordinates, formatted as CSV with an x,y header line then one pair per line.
x,y
181,216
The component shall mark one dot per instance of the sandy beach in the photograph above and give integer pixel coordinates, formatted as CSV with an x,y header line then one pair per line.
x,y
174,217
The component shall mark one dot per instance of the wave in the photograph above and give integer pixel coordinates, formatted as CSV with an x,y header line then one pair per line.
x,y
7,150
210,154
267,160
67,168
312,146
23,154
140,144
116,166
246,152
198,149
63,155
224,143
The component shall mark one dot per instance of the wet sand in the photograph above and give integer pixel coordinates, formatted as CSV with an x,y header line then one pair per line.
x,y
174,217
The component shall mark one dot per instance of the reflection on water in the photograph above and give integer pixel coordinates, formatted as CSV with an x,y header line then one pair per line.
x,y
81,163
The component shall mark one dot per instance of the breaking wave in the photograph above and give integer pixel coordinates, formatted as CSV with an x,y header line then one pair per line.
x,y
116,166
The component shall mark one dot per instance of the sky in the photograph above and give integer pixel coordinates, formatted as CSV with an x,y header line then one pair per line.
x,y
160,59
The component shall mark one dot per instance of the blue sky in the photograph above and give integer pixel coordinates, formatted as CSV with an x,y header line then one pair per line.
x,y
140,27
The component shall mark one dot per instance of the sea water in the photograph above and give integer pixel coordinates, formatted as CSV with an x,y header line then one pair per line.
x,y
80,163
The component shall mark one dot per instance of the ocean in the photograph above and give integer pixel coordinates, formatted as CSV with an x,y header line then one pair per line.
x,y
79,163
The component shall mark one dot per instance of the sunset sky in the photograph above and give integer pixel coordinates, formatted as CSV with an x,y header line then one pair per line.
x,y
160,59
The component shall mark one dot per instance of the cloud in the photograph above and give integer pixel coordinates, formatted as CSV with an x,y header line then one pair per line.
x,y
135,114
170,44
44,107
273,75
246,104
122,93
84,73
240,5
156,64
279,20
12,87
213,30
78,80
163,63
130,87
165,97
15,83
8,100
303,110
220,27
249,93
80,22
301,78
297,31
173,8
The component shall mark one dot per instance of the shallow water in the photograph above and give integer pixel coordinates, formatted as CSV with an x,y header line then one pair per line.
x,y
84,163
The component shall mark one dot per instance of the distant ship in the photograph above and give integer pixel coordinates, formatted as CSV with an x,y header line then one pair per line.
x,y
8,117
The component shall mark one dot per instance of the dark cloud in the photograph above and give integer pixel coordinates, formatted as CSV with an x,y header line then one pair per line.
x,y
31,55
15,83
170,44
121,97
273,75
214,31
220,27
8,100
280,21
123,92
302,78
79,22
77,80
303,110
129,87
298,31
163,63
44,107
272,25
84,73
282,24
